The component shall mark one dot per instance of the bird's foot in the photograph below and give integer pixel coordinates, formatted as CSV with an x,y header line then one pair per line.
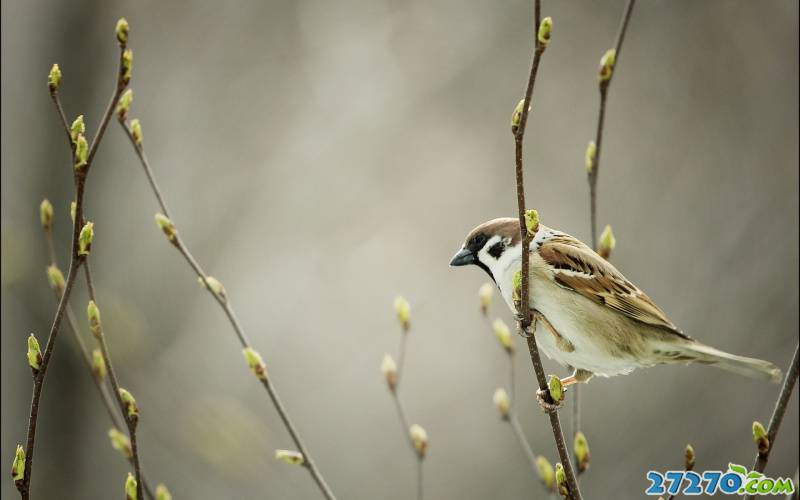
x,y
546,402
522,331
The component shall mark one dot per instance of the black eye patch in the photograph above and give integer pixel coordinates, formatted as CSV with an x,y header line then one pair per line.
x,y
497,250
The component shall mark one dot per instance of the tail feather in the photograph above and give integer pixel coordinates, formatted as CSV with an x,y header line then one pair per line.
x,y
749,367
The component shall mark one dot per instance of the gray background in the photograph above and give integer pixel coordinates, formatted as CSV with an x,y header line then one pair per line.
x,y
320,158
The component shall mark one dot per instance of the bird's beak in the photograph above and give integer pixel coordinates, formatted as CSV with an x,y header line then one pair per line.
x,y
463,258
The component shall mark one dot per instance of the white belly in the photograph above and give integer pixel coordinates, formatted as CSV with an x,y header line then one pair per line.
x,y
566,311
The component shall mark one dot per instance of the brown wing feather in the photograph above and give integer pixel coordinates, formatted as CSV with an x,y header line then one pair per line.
x,y
578,268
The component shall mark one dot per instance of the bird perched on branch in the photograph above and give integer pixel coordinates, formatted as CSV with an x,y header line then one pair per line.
x,y
586,313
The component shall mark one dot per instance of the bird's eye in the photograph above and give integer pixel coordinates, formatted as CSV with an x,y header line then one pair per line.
x,y
479,240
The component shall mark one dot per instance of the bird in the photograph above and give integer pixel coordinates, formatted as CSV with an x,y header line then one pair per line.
x,y
586,314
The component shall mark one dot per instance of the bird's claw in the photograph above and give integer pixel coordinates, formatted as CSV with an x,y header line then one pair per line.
x,y
522,331
546,402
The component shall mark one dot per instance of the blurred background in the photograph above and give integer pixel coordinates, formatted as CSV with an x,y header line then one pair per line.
x,y
322,157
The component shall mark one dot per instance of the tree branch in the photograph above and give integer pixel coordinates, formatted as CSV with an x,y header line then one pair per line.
x,y
76,260
777,414
592,178
130,422
98,383
224,302
524,310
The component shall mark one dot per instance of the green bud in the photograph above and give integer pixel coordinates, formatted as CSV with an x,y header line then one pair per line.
x,y
77,128
46,214
485,293
136,131
98,365
561,481
689,458
122,31
516,116
81,151
54,78
255,362
120,442
503,335
419,438
289,456
162,493
501,402
85,239
211,283
760,438
34,354
516,284
124,104
131,408
56,279
127,66
607,65
607,242
72,207
591,153
581,449
166,226
18,466
555,388
546,472
93,313
545,28
130,487
403,311
532,221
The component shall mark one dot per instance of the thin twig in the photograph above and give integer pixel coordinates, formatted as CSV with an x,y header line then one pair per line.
x,y
592,177
130,422
524,309
38,380
224,303
101,389
777,414
402,415
76,260
523,441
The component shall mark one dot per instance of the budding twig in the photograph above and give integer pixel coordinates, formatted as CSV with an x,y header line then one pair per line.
x,y
82,163
88,359
606,72
524,310
225,303
124,399
416,435
777,414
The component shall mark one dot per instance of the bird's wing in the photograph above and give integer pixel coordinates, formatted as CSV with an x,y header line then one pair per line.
x,y
578,268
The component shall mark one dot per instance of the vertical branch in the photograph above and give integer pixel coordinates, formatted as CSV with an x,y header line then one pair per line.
x,y
131,417
777,414
82,156
593,166
392,372
215,288
73,324
524,309
606,74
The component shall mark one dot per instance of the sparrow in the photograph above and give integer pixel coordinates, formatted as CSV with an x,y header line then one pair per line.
x,y
586,314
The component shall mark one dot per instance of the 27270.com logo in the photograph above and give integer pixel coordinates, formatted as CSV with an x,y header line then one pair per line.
x,y
735,481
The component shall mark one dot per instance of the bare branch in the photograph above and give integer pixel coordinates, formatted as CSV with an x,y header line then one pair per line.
x,y
224,302
524,310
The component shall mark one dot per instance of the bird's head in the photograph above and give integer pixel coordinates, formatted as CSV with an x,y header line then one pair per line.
x,y
489,246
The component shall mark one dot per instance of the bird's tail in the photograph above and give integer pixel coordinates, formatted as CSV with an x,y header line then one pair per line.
x,y
750,367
